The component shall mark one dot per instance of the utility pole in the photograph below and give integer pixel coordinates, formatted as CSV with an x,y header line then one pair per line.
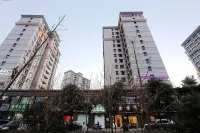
x,y
49,35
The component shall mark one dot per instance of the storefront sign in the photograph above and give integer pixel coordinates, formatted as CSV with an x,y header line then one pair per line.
x,y
98,109
18,107
129,108
4,107
132,15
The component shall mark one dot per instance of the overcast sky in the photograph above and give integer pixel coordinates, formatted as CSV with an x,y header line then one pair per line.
x,y
170,22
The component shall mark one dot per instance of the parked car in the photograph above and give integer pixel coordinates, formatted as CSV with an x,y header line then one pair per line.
x,y
4,122
159,121
82,124
13,125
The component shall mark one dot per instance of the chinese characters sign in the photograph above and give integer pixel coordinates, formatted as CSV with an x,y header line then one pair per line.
x,y
129,108
132,15
18,107
98,109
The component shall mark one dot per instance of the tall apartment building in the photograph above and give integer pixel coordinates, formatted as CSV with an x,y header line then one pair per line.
x,y
192,49
18,47
118,51
71,77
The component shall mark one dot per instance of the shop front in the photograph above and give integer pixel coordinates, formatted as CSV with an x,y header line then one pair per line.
x,y
126,116
99,115
17,110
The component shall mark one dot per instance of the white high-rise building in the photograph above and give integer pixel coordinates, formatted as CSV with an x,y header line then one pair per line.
x,y
71,77
192,49
29,33
118,51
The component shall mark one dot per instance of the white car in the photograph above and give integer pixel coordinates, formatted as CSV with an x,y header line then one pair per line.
x,y
83,124
158,122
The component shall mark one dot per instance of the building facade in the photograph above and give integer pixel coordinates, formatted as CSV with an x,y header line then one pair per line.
x,y
18,47
192,49
121,44
71,77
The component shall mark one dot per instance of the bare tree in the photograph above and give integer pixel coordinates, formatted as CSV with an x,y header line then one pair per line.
x,y
111,97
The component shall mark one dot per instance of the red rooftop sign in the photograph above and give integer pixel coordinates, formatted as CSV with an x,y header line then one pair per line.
x,y
132,15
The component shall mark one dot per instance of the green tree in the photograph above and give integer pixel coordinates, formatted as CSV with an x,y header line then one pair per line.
x,y
189,81
159,97
70,100
35,117
189,106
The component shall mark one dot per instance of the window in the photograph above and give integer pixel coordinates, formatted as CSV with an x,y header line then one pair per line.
x,y
122,72
197,39
115,55
7,56
116,66
112,33
113,41
145,53
14,100
117,33
119,50
112,36
11,50
117,73
31,18
20,34
25,100
136,27
149,68
3,62
139,36
23,30
135,22
138,31
14,44
118,45
120,55
18,39
26,26
195,36
121,60
152,75
113,45
147,61
123,79
143,47
115,60
29,21
121,66
117,36
118,41
114,50
141,41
